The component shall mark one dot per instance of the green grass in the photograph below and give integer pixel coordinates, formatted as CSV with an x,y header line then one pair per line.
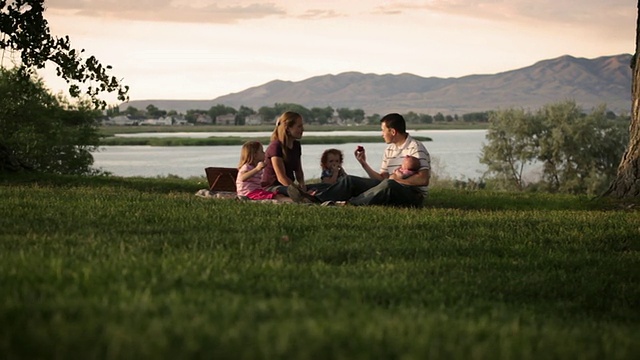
x,y
141,268
231,140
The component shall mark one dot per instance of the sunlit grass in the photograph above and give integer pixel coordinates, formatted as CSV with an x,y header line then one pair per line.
x,y
121,268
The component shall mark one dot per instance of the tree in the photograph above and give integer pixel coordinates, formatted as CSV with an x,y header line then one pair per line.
x,y
578,152
113,110
321,115
627,181
134,112
25,30
476,117
511,146
283,107
358,115
192,115
268,114
43,132
426,119
411,117
374,119
243,112
344,113
220,109
155,113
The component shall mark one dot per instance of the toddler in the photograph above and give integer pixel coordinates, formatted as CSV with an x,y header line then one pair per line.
x,y
250,174
331,164
410,166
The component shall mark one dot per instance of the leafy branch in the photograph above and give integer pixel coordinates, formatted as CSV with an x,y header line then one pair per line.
x,y
25,30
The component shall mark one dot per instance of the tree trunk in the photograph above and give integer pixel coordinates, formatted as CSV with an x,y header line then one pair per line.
x,y
627,182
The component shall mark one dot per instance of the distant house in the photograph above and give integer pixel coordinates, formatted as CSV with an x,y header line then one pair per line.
x,y
204,119
180,121
227,119
121,120
165,120
254,119
147,122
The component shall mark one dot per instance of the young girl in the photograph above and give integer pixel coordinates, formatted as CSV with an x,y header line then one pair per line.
x,y
250,174
331,164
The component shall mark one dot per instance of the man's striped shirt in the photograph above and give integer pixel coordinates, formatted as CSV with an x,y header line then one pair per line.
x,y
394,155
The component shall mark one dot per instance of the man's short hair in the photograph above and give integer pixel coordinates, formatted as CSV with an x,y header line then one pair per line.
x,y
395,121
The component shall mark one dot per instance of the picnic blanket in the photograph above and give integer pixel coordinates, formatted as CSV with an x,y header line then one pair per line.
x,y
208,194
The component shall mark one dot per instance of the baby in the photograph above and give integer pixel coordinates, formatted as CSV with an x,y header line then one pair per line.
x,y
410,166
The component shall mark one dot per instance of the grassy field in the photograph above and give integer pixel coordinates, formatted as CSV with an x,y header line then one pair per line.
x,y
125,268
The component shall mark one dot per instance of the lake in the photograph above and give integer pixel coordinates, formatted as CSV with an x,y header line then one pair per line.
x,y
455,154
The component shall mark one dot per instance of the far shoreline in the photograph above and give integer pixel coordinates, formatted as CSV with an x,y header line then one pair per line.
x,y
235,140
112,130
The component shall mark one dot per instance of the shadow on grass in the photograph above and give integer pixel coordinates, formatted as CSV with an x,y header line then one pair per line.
x,y
148,185
439,198
494,200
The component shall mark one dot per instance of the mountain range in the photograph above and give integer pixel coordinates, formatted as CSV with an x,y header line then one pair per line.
x,y
589,82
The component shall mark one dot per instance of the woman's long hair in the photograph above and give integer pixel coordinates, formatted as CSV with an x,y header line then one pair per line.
x,y
280,133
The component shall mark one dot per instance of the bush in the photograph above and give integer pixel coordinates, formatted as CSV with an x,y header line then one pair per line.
x,y
42,131
578,152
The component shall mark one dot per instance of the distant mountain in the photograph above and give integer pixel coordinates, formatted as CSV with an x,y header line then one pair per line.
x,y
590,82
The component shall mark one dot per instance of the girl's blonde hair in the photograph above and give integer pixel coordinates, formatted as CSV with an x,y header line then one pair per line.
x,y
280,133
248,153
325,157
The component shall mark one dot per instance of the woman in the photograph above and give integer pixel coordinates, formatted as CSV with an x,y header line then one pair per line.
x,y
283,158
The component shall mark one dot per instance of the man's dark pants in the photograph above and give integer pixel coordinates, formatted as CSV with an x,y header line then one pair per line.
x,y
365,191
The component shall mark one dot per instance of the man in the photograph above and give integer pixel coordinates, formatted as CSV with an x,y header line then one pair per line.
x,y
384,187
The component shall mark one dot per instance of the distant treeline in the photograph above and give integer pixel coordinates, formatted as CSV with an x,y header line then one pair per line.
x,y
315,115
215,141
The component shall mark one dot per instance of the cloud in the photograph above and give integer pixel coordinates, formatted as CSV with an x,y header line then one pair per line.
x,y
170,10
320,14
605,15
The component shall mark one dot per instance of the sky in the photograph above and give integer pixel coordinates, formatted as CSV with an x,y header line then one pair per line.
x,y
202,49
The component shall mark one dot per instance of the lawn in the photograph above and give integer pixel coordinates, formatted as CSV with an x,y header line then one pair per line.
x,y
108,267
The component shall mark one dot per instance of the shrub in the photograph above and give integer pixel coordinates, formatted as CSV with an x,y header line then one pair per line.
x,y
45,132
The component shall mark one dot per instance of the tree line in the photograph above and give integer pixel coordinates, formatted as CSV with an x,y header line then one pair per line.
x,y
314,115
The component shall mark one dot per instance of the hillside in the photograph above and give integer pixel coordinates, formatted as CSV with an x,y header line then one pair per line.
x,y
590,82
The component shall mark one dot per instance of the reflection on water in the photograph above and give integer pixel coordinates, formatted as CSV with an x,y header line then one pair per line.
x,y
455,154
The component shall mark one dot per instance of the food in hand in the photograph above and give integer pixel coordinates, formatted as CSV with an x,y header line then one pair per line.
x,y
360,148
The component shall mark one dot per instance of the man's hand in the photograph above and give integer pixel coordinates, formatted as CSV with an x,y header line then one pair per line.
x,y
360,155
